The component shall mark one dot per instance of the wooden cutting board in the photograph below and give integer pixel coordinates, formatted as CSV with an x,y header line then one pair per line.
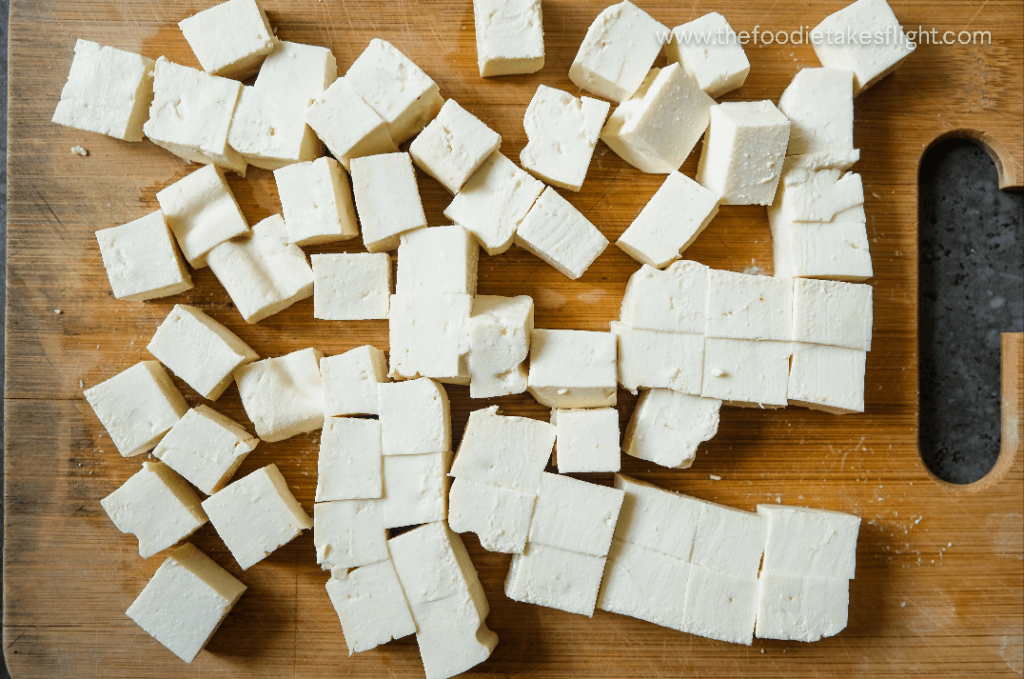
x,y
940,578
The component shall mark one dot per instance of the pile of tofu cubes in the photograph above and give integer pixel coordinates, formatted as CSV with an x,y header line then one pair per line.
x,y
689,337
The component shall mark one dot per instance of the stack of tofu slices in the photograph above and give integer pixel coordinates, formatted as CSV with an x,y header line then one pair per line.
x,y
689,338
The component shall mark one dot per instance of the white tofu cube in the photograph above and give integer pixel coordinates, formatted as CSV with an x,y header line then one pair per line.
x,y
199,350
351,286
453,146
819,105
298,71
827,378
348,125
142,261
157,506
559,234
619,49
801,608
744,306
833,313
499,343
317,202
811,193
387,199
186,601
562,131
283,396
350,381
829,251
349,466
509,36
652,359
710,52
746,372
572,368
729,541
230,39
429,336
206,448
678,212
657,519
556,578
371,605
499,516
263,273
644,584
137,407
191,114
667,427
437,259
587,440
574,515
504,451
107,91
414,417
720,606
671,300
349,534
452,637
813,542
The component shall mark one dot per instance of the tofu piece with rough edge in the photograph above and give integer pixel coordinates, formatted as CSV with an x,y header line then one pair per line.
x,y
387,199
429,336
574,515
415,417
586,440
349,534
678,212
191,114
283,396
186,601
262,273
108,91
827,378
499,344
504,451
256,515
839,252
137,407
619,49
810,542
349,466
751,307
206,448
452,637
801,608
657,519
655,129
230,39
302,72
499,516
671,299
316,199
644,584
142,261
559,234
509,36
833,313
555,578
811,193
453,146
667,427
562,131
157,506
729,541
572,368
747,372
347,125
437,259
199,350
720,606
710,52
819,105
652,359
371,605
352,286
351,379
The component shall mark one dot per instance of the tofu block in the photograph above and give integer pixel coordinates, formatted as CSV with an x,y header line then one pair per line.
x,y
559,234
186,601
644,584
371,605
387,199
283,396
619,49
453,146
199,350
667,427
572,368
752,307
801,608
870,61
556,578
656,519
396,88
562,131
347,125
499,516
729,541
509,36
108,91
652,359
810,542
828,251
678,212
720,606
157,506
499,343
811,193
350,381
352,286
317,202
256,515
711,54
263,273
301,72
349,534
574,515
508,452
833,313
827,378
655,129
206,448
452,637
230,39
191,113
429,336
494,201
414,417
137,407
587,440
744,151
349,467
142,261
746,372
202,212
819,105
437,259
671,299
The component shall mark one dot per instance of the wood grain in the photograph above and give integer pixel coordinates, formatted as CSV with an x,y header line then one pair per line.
x,y
940,584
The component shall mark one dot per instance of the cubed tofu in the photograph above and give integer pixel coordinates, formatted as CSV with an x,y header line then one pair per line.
x,y
812,191
556,578
819,105
499,343
499,450
653,359
729,541
453,146
746,372
720,606
387,199
829,251
371,605
710,52
429,336
810,542
801,608
644,584
509,36
107,91
206,448
562,131
745,306
348,126
572,368
657,519
574,515
283,396
559,234
414,417
827,378
452,637
437,259
142,261
349,534
351,286
587,440
230,39
499,516
671,300
349,466
667,427
832,312
350,381
316,199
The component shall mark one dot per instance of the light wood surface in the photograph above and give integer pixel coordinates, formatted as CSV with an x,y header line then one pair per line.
x,y
940,568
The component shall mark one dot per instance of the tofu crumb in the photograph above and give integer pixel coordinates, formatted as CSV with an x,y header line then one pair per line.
x,y
57,311
80,385
903,605
715,478
718,372
762,650
79,151
754,270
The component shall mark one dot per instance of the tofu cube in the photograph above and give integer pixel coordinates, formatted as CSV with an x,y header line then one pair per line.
x,y
559,234
556,578
710,52
137,407
157,506
348,125
644,584
752,307
414,417
746,372
801,608
499,516
452,637
720,606
349,467
317,202
429,336
499,343
667,427
453,146
199,350
186,601
351,286
206,448
230,39
587,440
572,368
827,378
657,519
256,515
191,115
729,541
813,190
283,396
819,105
349,534
671,299
107,91
142,261
299,71
371,605
619,49
832,312
509,36
350,381
562,131
504,451
810,542
678,212
437,259
652,359
574,515
387,199
829,251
